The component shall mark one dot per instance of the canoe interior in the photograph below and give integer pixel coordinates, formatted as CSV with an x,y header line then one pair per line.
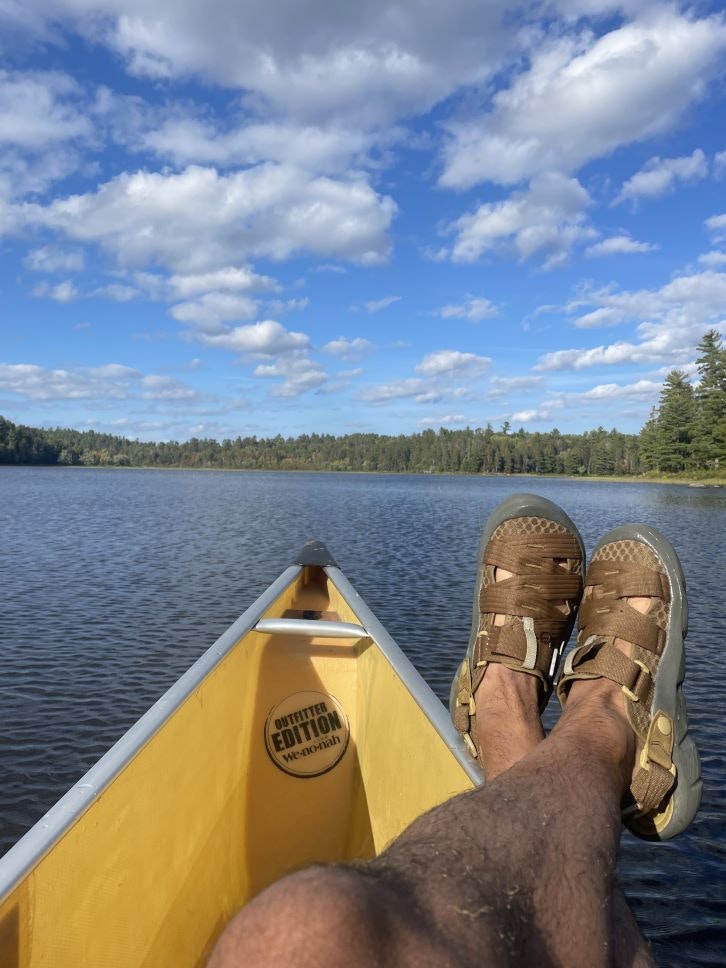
x,y
201,818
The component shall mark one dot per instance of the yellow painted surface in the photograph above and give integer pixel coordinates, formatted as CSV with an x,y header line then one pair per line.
x,y
202,818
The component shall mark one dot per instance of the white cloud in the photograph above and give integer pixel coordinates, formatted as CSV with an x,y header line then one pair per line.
x,y
189,222
37,110
500,386
116,291
376,305
266,338
642,389
546,219
320,149
62,292
719,163
397,390
473,308
298,372
532,416
365,64
717,225
212,309
670,321
226,279
449,362
349,350
50,259
584,96
446,420
110,382
713,258
618,245
659,175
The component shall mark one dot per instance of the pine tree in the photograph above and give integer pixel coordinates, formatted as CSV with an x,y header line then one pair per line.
x,y
648,443
676,415
709,433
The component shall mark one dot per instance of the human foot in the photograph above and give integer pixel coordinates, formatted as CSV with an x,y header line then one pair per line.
x,y
528,587
629,665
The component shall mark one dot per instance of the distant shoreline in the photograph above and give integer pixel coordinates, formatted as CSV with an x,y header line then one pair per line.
x,y
686,479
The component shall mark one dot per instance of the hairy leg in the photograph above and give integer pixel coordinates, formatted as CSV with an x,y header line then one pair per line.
x,y
519,871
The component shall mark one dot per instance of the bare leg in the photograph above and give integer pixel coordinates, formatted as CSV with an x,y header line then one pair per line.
x,y
520,871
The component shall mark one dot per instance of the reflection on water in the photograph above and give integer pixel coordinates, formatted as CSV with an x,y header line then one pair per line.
x,y
115,581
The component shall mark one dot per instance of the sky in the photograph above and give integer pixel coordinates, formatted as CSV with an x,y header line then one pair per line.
x,y
252,218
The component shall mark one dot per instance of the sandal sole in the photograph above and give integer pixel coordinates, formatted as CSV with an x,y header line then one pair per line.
x,y
668,688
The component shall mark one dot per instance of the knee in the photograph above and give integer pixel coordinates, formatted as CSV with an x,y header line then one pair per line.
x,y
320,915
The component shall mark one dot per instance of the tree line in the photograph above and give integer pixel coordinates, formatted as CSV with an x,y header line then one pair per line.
x,y
687,431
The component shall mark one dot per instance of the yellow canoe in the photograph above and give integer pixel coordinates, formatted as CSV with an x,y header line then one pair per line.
x,y
302,735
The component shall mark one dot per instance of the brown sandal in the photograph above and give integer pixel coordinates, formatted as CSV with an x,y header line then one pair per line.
x,y
637,561
536,541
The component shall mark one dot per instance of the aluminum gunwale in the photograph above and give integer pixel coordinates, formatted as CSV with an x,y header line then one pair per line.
x,y
40,838
419,689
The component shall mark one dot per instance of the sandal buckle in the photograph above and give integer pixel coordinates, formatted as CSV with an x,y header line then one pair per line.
x,y
632,694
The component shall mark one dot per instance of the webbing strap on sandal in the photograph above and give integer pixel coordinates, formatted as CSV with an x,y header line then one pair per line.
x,y
656,773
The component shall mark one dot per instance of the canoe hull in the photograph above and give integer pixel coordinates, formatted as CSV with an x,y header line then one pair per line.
x,y
279,750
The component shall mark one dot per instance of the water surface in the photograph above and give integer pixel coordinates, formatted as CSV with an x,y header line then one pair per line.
x,y
114,582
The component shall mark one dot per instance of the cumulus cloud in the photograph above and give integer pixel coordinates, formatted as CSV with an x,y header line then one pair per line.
x,y
396,390
189,222
376,305
110,382
365,64
713,258
534,415
500,386
473,308
349,350
320,149
660,175
446,420
266,338
584,96
298,374
669,321
547,219
641,390
717,225
49,259
226,279
619,245
39,109
212,309
116,291
62,292
450,362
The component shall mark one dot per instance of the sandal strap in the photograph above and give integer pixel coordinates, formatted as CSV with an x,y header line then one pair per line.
x,y
521,554
656,774
627,580
518,646
597,659
620,621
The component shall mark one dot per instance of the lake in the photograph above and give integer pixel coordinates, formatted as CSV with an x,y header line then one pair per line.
x,y
115,581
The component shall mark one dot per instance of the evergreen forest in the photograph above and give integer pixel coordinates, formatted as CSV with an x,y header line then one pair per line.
x,y
685,434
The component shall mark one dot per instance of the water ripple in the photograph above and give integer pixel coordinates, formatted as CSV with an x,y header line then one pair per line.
x,y
115,582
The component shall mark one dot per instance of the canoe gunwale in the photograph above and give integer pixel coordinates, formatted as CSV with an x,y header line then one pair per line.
x,y
33,845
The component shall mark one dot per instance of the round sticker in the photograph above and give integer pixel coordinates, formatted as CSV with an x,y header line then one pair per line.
x,y
307,733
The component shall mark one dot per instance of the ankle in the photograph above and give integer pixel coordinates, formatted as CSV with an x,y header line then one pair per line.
x,y
596,712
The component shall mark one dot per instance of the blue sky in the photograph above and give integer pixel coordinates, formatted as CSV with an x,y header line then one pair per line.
x,y
228,218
